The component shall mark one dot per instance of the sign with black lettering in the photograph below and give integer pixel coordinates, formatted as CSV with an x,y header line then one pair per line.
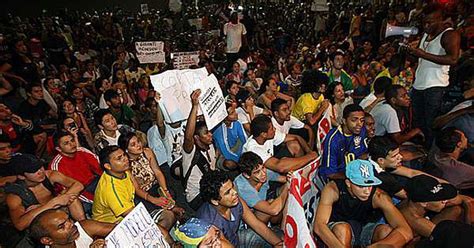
x,y
136,230
150,52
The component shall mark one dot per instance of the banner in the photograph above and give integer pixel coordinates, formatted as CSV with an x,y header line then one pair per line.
x,y
302,198
183,60
212,102
175,88
150,52
324,126
144,9
137,229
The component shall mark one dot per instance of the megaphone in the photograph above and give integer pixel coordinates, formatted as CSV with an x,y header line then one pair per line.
x,y
395,30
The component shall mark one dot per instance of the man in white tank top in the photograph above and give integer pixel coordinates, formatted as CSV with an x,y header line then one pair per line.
x,y
437,51
54,228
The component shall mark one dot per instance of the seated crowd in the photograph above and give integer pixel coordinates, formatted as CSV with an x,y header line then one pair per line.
x,y
84,137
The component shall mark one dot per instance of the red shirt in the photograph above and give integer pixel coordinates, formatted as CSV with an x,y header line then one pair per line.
x,y
83,167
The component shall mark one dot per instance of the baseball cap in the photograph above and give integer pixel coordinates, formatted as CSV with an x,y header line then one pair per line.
x,y
25,163
423,188
192,232
361,173
448,234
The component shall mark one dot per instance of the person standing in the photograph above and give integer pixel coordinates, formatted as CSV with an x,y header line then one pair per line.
x,y
437,51
235,38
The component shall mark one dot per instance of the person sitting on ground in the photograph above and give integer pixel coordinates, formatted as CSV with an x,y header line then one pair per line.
x,y
247,110
68,125
451,142
311,106
385,156
23,134
78,163
279,152
427,195
149,181
380,85
369,126
344,144
337,73
196,233
122,112
199,155
284,122
343,217
109,130
229,138
54,228
68,110
393,116
224,209
232,89
269,92
34,192
253,187
339,101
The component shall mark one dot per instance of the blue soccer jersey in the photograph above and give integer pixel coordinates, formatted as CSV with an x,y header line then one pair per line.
x,y
340,149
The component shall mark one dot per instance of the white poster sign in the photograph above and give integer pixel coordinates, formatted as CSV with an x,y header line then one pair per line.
x,y
212,102
150,52
137,229
183,60
175,88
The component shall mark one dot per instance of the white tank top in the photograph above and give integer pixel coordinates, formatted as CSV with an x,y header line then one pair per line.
x,y
429,74
84,240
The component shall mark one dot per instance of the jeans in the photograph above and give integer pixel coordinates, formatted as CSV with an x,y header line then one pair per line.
x,y
249,238
426,107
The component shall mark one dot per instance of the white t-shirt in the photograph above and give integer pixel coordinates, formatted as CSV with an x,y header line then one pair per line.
x,y
285,128
244,117
265,151
234,34
192,186
368,100
386,119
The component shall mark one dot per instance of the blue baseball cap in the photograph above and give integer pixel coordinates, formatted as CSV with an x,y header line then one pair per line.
x,y
361,173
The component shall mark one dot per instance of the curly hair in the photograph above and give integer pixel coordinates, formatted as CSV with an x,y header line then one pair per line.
x,y
210,185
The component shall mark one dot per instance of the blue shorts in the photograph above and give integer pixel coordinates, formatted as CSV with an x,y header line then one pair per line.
x,y
361,235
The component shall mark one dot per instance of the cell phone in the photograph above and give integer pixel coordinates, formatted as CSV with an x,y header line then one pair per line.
x,y
72,125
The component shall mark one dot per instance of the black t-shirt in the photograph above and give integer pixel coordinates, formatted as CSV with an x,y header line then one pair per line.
x,y
37,113
5,170
390,184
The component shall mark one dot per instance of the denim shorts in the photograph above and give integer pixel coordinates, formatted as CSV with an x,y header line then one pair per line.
x,y
361,235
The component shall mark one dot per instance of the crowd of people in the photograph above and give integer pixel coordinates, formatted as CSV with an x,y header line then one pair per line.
x,y
84,136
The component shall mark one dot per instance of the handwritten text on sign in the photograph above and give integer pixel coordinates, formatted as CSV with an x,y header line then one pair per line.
x,y
137,230
150,52
212,102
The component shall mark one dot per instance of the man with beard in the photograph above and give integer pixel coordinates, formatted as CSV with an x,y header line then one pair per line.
x,y
54,228
344,144
343,217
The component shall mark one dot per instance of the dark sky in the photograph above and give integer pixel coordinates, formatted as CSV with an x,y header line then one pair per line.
x,y
34,7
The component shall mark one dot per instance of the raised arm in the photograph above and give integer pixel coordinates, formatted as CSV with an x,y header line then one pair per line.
x,y
191,124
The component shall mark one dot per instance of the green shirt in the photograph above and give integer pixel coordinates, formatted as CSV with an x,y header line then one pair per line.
x,y
346,80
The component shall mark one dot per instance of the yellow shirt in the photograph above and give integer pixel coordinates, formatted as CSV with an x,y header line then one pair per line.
x,y
385,73
113,197
306,104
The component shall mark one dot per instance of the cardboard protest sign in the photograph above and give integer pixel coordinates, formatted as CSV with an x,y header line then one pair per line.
x,y
150,52
212,102
183,60
137,229
175,88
